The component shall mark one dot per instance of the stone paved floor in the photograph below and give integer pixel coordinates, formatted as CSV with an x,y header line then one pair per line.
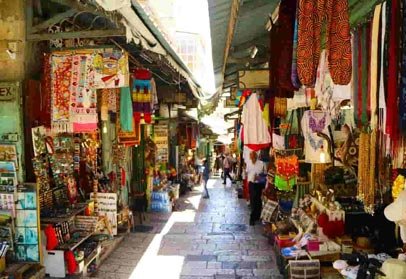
x,y
203,239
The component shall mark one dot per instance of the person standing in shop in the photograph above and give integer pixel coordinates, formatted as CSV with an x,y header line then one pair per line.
x,y
227,165
254,168
206,177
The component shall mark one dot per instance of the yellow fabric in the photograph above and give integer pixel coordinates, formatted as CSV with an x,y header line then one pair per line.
x,y
394,269
265,114
374,65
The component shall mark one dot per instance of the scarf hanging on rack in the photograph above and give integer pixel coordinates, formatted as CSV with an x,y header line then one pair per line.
x,y
402,97
374,67
142,95
355,61
286,27
364,76
83,98
294,76
60,90
45,92
312,15
392,125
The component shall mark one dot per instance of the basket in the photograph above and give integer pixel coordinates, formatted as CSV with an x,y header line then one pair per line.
x,y
304,269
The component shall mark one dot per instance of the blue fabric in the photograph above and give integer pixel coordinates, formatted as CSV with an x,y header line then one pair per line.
x,y
126,110
142,84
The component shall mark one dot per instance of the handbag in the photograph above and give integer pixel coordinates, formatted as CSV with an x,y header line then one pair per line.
x,y
269,212
293,141
304,269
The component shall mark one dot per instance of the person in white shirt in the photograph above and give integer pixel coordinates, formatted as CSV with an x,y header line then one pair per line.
x,y
227,164
254,169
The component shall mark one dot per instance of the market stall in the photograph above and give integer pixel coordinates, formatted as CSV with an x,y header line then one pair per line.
x,y
328,127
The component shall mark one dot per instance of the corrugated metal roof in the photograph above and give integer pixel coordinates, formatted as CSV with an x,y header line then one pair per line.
x,y
250,28
219,12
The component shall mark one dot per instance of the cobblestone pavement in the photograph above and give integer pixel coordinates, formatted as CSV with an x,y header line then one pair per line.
x,y
203,239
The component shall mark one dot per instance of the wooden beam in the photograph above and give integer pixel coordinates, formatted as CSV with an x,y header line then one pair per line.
x,y
53,20
77,35
235,5
256,60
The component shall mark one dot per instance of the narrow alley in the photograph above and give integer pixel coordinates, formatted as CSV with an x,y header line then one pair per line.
x,y
204,238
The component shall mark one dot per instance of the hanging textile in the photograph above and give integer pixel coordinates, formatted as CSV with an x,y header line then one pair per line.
x,y
60,90
45,92
312,16
83,98
129,138
126,110
281,51
374,67
142,95
256,132
111,69
392,122
402,97
294,76
286,27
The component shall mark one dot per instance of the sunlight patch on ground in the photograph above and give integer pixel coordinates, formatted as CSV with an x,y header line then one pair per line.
x,y
153,265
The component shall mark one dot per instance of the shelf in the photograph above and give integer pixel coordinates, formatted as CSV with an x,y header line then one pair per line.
x,y
73,246
64,217
92,256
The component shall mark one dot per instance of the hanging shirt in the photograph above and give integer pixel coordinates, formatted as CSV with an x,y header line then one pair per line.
x,y
254,169
256,131
314,121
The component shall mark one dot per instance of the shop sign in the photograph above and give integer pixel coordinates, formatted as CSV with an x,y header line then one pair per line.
x,y
253,79
107,206
8,91
161,141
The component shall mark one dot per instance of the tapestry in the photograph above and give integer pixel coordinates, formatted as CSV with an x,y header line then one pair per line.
x,y
111,69
83,98
61,67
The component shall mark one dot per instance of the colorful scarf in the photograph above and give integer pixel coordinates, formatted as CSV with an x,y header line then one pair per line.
x,y
142,95
83,98
126,110
60,90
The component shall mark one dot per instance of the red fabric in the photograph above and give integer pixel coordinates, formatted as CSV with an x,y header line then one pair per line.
x,y
123,177
142,74
392,121
245,190
52,240
148,117
71,263
258,147
360,50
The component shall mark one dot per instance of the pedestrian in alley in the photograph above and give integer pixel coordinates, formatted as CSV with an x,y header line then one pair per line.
x,y
254,169
227,167
206,177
